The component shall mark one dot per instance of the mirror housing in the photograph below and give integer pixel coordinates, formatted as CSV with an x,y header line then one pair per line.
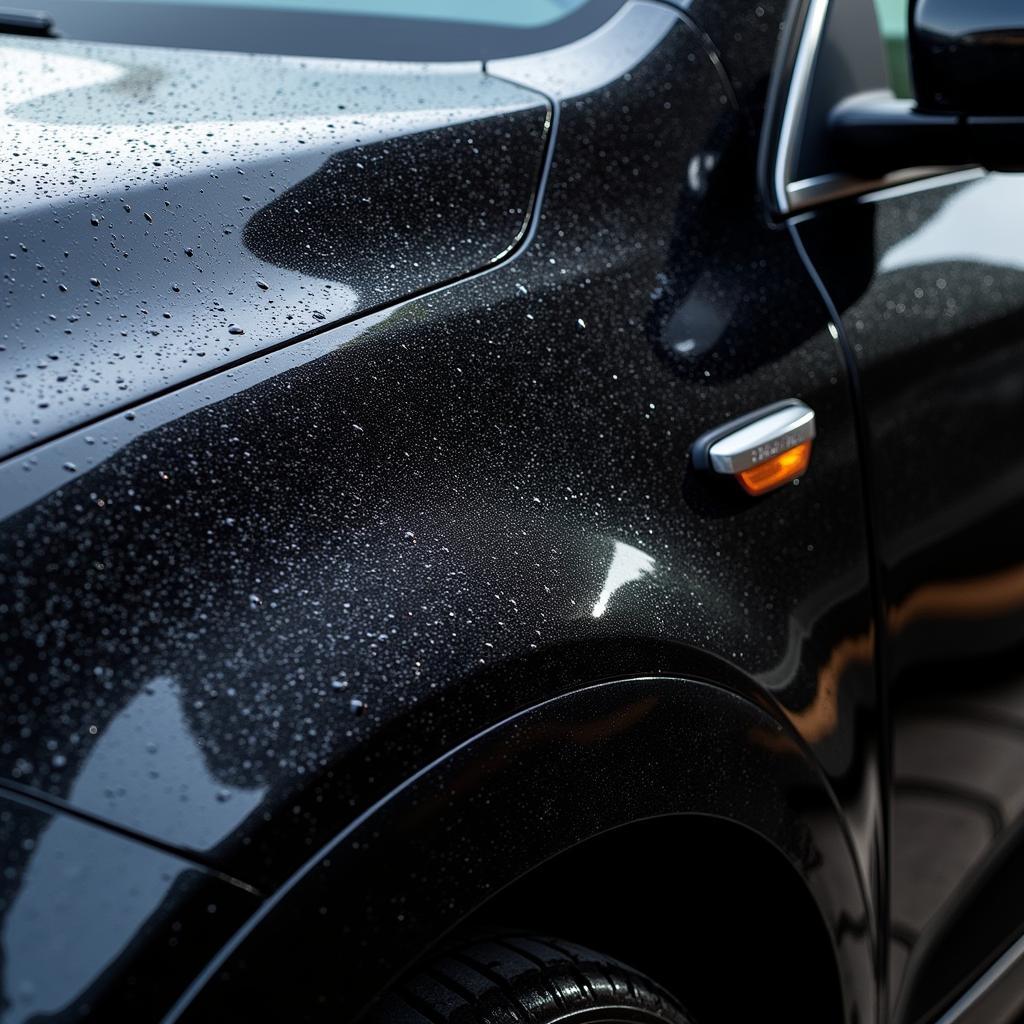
x,y
967,63
967,56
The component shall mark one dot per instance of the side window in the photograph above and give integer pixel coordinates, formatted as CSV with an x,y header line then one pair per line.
x,y
892,18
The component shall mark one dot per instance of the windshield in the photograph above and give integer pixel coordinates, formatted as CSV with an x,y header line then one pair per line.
x,y
374,29
520,13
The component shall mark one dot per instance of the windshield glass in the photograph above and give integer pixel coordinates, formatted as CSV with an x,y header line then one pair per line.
x,y
416,30
518,13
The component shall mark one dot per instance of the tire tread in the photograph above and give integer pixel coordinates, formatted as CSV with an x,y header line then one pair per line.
x,y
520,979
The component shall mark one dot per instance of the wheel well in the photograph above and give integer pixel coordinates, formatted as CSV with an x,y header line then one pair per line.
x,y
705,907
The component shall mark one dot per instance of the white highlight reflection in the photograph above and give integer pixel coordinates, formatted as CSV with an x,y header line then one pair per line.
x,y
993,209
628,564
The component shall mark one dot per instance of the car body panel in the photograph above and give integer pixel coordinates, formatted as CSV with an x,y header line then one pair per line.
x,y
539,783
433,454
924,278
218,207
94,923
932,295
264,601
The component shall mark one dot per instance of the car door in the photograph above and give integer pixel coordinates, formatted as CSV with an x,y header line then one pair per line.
x,y
925,271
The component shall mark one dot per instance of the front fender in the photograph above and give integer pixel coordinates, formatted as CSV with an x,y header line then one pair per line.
x,y
437,847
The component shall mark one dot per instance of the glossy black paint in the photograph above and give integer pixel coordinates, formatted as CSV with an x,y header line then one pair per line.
x,y
537,784
265,601
932,296
94,924
254,199
967,58
966,67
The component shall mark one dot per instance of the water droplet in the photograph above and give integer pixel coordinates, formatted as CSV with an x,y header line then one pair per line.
x,y
260,283
94,281
235,329
255,601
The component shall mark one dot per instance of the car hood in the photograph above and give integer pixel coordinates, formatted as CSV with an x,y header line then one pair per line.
x,y
168,213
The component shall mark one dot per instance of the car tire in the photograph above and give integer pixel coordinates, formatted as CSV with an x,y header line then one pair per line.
x,y
517,979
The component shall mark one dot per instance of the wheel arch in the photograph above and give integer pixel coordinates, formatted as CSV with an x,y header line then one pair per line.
x,y
694,901
482,826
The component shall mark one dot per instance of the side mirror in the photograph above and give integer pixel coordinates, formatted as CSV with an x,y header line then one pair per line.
x,y
967,56
967,63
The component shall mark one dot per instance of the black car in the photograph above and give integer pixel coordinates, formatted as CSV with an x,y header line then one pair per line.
x,y
496,491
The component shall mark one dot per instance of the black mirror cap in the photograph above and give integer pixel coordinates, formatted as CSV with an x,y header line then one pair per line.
x,y
967,56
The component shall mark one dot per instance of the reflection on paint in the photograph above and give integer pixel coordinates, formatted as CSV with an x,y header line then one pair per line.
x,y
83,894
628,564
994,210
974,599
148,772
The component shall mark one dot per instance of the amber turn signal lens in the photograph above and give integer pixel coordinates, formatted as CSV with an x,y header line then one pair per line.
x,y
776,471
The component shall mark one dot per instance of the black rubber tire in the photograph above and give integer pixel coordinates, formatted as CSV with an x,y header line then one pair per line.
x,y
514,979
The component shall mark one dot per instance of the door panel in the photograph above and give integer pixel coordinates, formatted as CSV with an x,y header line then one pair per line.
x,y
929,282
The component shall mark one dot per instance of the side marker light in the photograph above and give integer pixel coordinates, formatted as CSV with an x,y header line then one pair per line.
x,y
762,450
